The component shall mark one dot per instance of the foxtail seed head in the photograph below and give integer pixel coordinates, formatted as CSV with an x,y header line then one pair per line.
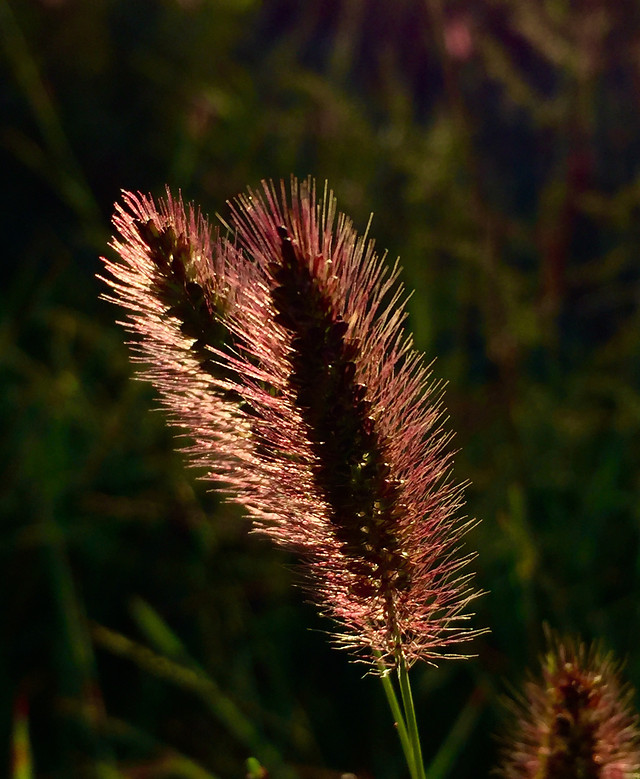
x,y
575,721
338,452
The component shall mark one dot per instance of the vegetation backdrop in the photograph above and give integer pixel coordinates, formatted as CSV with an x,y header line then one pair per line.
x,y
146,633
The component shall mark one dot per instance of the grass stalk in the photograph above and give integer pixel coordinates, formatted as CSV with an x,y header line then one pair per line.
x,y
398,716
410,719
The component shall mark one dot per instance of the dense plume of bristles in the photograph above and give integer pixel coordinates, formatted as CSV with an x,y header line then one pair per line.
x,y
280,350
573,722
178,294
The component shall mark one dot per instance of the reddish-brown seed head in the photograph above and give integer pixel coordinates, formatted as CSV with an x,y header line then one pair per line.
x,y
340,454
573,722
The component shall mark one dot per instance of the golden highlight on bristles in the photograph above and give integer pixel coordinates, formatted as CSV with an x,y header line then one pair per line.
x,y
280,350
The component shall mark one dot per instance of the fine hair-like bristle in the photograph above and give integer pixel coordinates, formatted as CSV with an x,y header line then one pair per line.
x,y
338,453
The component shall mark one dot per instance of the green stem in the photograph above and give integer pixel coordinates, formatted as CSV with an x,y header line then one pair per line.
x,y
394,705
410,717
404,717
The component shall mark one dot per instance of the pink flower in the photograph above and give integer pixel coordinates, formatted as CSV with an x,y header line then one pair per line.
x,y
576,720
313,411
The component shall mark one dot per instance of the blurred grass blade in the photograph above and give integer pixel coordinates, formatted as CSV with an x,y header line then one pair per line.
x,y
21,758
188,675
445,759
75,656
160,761
255,770
68,174
158,633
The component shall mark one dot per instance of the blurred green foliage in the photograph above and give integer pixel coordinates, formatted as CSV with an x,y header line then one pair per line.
x,y
145,632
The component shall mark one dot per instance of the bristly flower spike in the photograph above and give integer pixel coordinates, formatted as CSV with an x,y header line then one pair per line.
x,y
573,722
178,295
338,453
352,460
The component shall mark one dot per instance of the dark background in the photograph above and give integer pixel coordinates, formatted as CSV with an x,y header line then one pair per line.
x,y
145,633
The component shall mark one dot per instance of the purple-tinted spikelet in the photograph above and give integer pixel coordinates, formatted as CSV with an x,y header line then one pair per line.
x,y
574,722
178,294
338,452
